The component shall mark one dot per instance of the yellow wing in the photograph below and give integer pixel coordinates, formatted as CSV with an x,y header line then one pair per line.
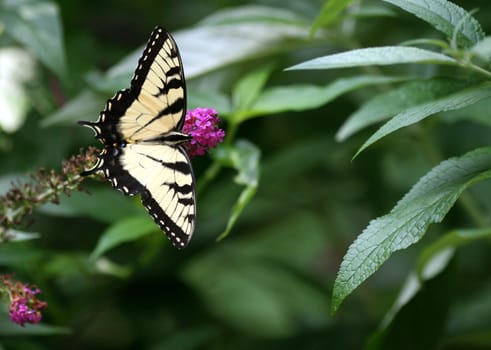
x,y
158,83
169,195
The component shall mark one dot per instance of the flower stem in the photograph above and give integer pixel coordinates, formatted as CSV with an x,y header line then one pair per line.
x,y
210,173
479,70
231,132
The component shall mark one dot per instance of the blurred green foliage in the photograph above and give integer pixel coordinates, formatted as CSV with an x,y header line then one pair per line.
x,y
283,192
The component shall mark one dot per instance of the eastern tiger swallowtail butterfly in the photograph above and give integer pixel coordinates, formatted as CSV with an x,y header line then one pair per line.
x,y
143,153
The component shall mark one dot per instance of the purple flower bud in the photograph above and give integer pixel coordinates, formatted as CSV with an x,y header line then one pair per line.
x,y
24,306
202,125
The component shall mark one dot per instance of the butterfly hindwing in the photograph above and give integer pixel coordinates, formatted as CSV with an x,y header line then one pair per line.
x,y
169,196
140,129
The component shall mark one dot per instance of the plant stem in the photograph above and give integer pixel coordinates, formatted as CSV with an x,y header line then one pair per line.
x,y
210,173
231,132
479,70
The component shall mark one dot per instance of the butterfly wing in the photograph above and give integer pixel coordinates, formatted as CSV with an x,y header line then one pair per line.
x,y
139,128
156,101
169,193
159,87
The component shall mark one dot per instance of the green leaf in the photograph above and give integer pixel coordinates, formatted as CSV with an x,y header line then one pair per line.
x,y
8,328
446,17
329,13
219,39
16,235
388,104
37,25
483,49
427,328
248,88
19,254
448,244
476,113
433,261
470,319
258,285
428,42
210,99
302,97
105,266
385,55
372,11
18,69
68,265
95,205
243,157
190,338
257,298
417,113
85,106
427,202
108,82
244,198
252,14
126,230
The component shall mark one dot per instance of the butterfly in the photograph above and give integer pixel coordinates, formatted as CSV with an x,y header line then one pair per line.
x,y
140,128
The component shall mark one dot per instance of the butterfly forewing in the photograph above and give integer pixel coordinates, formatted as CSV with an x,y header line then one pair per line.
x,y
159,88
140,129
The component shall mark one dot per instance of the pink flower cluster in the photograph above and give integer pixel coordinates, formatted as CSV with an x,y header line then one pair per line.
x,y
202,125
24,306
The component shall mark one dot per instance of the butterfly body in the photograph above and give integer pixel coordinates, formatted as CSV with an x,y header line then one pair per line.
x,y
143,153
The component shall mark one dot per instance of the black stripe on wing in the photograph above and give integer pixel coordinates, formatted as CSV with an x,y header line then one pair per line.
x,y
179,166
186,199
161,42
175,107
108,162
106,127
178,237
161,57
